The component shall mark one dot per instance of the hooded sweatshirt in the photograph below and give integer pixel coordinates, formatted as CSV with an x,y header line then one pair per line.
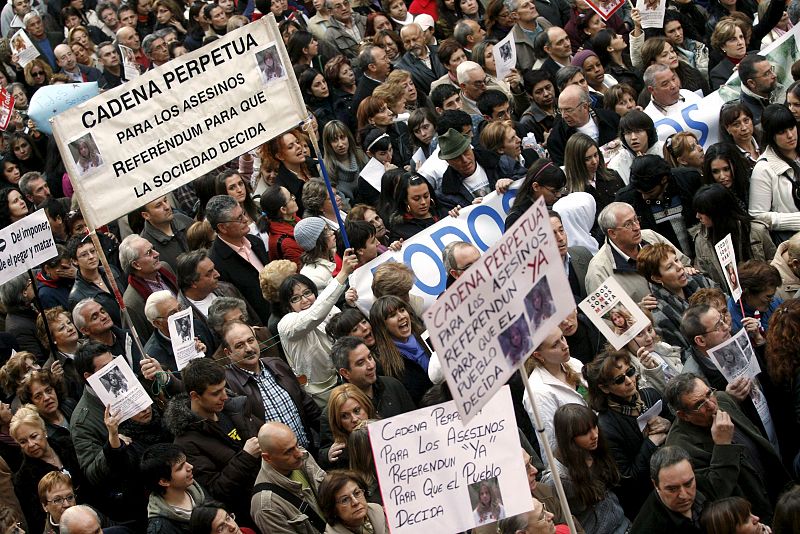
x,y
163,518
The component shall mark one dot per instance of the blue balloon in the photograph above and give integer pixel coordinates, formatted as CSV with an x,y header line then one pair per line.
x,y
50,100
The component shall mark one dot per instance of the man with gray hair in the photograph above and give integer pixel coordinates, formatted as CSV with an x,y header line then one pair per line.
x,y
375,67
146,274
665,91
468,33
345,29
34,187
457,257
44,41
238,255
472,81
65,58
576,115
418,60
160,306
726,449
787,261
617,256
155,48
529,24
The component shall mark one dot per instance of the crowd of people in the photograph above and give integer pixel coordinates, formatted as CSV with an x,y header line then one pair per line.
x,y
266,431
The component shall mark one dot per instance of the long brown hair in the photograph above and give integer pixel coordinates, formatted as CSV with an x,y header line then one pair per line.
x,y
783,340
388,353
340,395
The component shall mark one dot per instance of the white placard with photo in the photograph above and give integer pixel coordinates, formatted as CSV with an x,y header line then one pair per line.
x,y
736,357
727,260
23,48
614,313
505,56
181,335
652,12
118,388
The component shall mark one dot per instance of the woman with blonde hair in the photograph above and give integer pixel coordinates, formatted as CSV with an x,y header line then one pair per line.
x,y
587,172
41,455
684,153
347,407
501,139
37,73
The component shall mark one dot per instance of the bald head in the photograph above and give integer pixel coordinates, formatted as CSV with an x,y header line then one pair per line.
x,y
574,105
413,39
279,448
127,36
65,58
80,519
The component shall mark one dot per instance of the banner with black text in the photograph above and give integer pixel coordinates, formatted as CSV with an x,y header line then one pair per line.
x,y
137,142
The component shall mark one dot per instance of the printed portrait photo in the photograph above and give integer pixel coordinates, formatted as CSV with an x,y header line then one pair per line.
x,y
269,64
515,341
619,319
184,328
486,501
730,272
85,154
115,382
539,305
731,360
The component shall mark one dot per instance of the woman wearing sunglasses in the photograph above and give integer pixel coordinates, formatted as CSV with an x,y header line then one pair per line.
x,y
615,394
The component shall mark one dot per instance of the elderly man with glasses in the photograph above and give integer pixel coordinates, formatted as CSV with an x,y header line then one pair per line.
x,y
705,329
345,29
617,256
726,449
575,114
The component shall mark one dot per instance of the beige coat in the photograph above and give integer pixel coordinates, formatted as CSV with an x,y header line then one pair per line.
x,y
790,283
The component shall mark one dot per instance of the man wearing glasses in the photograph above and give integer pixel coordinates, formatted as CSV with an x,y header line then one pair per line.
x,y
726,449
575,114
617,256
705,329
345,29
759,84
237,255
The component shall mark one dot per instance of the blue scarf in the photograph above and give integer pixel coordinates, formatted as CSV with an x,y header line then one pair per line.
x,y
412,350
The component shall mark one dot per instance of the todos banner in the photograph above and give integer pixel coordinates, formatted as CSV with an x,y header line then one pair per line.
x,y
155,133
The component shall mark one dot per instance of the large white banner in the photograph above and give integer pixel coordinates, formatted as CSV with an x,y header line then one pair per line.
x,y
438,474
491,318
703,118
481,224
155,133
25,244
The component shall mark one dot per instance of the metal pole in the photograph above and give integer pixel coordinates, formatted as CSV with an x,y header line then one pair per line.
x,y
324,173
539,427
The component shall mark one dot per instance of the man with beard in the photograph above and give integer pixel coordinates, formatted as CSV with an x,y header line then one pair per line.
x,y
759,84
418,60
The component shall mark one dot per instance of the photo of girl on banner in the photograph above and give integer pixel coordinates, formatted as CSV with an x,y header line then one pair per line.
x,y
614,313
85,154
269,64
487,503
539,304
515,341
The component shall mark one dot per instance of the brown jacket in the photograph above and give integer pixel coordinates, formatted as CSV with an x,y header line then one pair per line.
x,y
790,283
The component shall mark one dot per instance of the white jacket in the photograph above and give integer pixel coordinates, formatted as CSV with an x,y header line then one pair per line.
x,y
320,272
771,192
621,158
550,393
305,342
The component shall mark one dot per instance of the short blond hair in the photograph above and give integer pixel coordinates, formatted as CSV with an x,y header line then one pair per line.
x,y
26,415
392,278
272,275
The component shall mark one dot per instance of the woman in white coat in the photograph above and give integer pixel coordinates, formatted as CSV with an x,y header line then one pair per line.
x,y
302,327
774,186
555,379
638,136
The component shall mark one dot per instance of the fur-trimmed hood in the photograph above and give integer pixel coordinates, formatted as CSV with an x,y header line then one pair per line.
x,y
179,417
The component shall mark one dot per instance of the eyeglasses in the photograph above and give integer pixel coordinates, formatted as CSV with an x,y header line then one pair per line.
x,y
242,218
636,222
291,197
480,83
569,111
58,501
304,295
557,192
351,499
229,519
37,73
149,253
619,380
767,73
719,327
707,397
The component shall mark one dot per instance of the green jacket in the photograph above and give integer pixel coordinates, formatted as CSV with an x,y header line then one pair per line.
x,y
725,469
162,518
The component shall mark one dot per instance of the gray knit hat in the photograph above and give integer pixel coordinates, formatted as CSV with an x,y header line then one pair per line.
x,y
307,231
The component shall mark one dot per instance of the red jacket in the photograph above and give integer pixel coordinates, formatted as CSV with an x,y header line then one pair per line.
x,y
288,249
419,7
